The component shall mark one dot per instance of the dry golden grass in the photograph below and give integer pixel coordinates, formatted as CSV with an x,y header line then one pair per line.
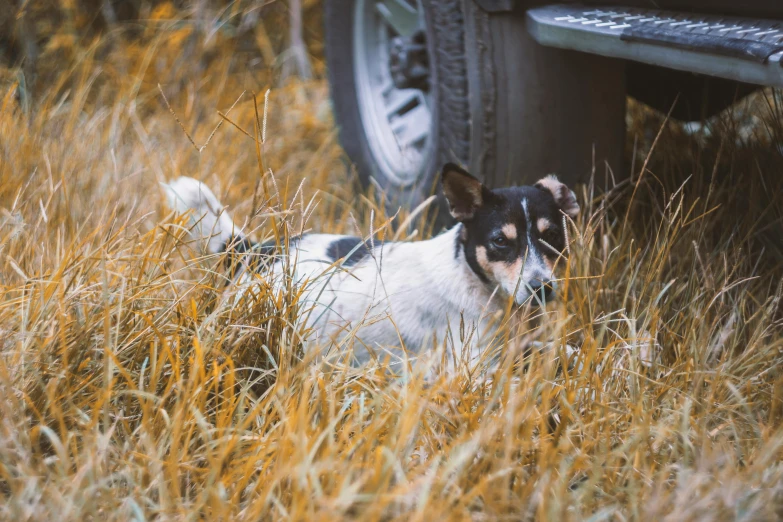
x,y
130,390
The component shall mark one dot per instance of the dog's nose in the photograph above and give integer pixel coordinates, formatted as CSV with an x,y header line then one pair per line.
x,y
543,291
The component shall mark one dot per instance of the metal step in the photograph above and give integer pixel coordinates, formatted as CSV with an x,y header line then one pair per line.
x,y
744,49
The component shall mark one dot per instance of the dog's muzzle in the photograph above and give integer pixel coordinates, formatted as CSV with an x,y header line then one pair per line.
x,y
542,292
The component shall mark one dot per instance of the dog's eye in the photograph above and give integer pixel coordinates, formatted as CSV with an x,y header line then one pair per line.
x,y
500,241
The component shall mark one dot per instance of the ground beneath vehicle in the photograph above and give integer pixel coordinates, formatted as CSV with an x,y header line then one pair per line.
x,y
514,89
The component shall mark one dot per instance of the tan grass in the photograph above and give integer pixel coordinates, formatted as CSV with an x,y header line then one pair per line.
x,y
130,390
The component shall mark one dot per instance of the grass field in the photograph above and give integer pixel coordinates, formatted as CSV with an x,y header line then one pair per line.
x,y
129,389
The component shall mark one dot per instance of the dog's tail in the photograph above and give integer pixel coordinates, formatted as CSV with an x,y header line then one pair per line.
x,y
212,227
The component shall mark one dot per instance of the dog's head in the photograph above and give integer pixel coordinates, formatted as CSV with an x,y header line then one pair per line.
x,y
512,237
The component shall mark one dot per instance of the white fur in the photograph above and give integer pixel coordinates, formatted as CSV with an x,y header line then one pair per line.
x,y
535,268
415,292
209,220
408,291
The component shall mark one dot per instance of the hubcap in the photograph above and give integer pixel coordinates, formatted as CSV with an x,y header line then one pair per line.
x,y
409,63
391,74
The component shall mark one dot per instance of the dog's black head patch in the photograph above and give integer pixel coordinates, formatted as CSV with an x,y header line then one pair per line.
x,y
511,237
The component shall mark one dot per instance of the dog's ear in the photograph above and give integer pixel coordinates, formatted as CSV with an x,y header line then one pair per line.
x,y
564,197
464,193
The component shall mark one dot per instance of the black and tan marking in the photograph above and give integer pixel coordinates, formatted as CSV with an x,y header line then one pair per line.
x,y
511,237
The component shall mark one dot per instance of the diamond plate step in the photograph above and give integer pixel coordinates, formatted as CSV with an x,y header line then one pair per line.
x,y
744,49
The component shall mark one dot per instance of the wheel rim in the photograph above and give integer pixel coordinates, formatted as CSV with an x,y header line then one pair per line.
x,y
397,121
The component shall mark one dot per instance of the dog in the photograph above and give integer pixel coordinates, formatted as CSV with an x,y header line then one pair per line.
x,y
385,296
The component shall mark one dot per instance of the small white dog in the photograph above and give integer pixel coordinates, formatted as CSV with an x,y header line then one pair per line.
x,y
409,293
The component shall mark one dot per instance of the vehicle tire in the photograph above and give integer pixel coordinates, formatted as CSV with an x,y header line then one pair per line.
x,y
497,102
